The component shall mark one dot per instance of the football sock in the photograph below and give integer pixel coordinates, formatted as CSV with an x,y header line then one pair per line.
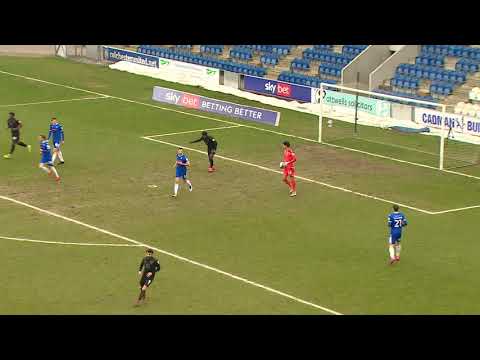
x,y
141,295
391,250
45,169
12,148
188,182
54,157
211,163
21,143
294,185
54,171
176,189
397,250
60,156
287,182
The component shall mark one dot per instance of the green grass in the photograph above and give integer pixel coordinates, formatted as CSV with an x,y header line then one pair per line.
x,y
325,246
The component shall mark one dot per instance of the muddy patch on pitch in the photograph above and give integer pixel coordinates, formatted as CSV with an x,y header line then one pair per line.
x,y
331,163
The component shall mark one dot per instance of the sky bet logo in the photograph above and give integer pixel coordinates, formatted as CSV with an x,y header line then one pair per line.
x,y
186,100
279,89
172,97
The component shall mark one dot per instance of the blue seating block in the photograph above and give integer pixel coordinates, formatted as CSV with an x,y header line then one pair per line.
x,y
269,59
281,49
431,72
241,53
300,64
300,79
202,60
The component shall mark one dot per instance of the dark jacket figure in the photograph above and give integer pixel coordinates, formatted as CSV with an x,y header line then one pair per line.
x,y
211,147
14,125
148,268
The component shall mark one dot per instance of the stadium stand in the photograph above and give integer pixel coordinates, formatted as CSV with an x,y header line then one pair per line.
x,y
241,53
302,64
201,59
442,73
301,79
328,60
269,59
469,109
212,49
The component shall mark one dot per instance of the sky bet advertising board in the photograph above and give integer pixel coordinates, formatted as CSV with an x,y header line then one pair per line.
x,y
277,89
202,103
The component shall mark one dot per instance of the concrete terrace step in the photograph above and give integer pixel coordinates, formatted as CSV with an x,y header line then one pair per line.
x,y
449,63
337,48
424,85
284,62
226,52
462,92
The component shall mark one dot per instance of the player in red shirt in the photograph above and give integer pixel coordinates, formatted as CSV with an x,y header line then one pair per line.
x,y
288,163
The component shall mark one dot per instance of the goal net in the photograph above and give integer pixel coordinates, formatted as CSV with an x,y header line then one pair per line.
x,y
404,129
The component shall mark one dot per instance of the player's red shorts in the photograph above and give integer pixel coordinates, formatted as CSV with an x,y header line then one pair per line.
x,y
289,171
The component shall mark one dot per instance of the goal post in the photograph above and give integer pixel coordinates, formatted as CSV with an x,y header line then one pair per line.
x,y
406,129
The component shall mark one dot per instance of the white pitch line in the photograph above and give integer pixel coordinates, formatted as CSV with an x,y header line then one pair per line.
x,y
298,177
193,131
397,146
412,149
462,174
252,127
233,123
156,106
399,160
67,243
178,257
455,210
51,83
429,212
56,101
381,156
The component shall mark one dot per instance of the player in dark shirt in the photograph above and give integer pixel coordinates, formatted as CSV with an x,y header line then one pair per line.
x,y
211,147
148,267
14,125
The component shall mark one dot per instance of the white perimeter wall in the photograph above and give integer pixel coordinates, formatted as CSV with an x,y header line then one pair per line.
x,y
367,61
386,70
39,50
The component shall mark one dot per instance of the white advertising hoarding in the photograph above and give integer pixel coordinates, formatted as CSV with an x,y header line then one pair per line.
x,y
185,72
166,69
458,123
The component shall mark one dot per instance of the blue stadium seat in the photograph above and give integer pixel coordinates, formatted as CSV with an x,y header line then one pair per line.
x,y
298,63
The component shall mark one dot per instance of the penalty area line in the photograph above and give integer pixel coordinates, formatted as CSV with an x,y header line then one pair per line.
x,y
429,212
67,243
176,256
298,177
233,123
456,210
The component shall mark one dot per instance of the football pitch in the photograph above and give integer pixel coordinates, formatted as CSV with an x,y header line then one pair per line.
x,y
237,244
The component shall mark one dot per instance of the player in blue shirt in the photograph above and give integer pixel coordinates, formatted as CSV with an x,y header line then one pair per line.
x,y
181,165
46,163
396,221
58,138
